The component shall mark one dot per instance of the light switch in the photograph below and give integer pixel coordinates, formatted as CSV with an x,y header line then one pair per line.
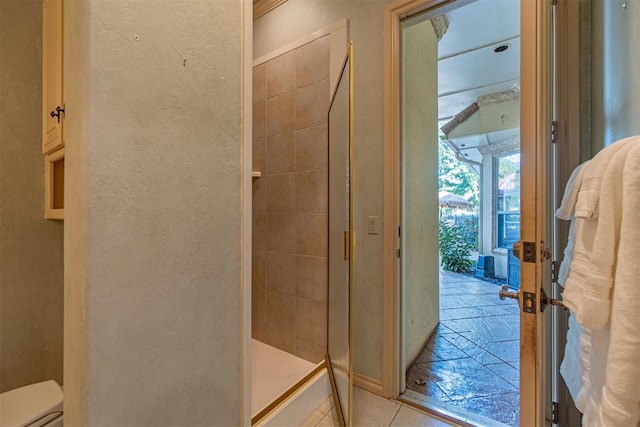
x,y
373,225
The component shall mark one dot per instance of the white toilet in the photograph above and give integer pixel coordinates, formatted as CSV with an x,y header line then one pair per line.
x,y
35,405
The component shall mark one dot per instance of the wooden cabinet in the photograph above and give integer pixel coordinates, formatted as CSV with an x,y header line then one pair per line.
x,y
53,107
52,90
54,185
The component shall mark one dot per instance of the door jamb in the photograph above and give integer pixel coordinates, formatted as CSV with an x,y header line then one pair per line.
x,y
394,12
535,133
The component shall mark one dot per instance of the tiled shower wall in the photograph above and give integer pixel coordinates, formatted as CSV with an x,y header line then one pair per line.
x,y
290,200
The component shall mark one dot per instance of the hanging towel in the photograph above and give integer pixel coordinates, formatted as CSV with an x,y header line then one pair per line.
x,y
575,365
566,212
617,402
582,296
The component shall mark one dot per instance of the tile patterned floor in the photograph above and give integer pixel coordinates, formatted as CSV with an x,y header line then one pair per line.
x,y
371,410
472,360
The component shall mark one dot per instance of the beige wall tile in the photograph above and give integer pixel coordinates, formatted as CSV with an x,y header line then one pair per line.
x,y
259,231
312,61
281,74
260,82
281,193
312,148
311,234
259,154
281,153
312,191
280,311
258,331
281,272
281,233
281,340
310,351
259,194
311,277
259,119
258,266
281,113
258,308
311,320
312,103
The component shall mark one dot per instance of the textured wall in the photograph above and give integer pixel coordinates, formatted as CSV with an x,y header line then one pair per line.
x,y
298,18
420,187
31,274
615,71
290,201
153,321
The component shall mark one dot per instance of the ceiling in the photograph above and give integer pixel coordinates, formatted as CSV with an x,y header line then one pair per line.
x,y
470,71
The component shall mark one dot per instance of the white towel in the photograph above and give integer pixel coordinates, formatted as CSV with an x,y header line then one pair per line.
x,y
617,403
566,211
582,295
575,367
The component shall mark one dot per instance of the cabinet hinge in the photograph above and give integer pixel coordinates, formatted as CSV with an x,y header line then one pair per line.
x,y
554,413
554,131
398,253
555,267
398,231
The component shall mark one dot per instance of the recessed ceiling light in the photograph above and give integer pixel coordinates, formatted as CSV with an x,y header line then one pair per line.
x,y
501,48
463,145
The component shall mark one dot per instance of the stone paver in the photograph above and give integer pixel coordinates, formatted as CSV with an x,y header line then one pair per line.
x,y
471,361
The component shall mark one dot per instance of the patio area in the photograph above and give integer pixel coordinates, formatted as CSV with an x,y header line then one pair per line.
x,y
472,360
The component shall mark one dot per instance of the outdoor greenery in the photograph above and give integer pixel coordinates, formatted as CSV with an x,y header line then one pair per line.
x,y
456,177
468,227
454,248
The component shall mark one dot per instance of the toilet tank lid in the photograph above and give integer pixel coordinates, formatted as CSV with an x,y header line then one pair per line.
x,y
24,405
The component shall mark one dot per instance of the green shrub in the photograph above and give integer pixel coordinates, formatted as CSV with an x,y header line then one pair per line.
x,y
468,226
454,248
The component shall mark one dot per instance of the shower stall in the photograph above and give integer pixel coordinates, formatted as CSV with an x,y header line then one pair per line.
x,y
301,244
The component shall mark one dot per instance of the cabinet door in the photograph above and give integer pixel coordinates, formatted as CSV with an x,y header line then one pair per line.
x,y
52,76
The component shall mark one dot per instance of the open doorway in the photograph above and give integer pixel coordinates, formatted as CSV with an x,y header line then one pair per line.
x,y
460,341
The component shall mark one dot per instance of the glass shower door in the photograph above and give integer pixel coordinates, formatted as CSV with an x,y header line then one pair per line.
x,y
339,340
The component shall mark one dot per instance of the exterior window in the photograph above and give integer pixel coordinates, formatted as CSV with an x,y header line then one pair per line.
x,y
508,200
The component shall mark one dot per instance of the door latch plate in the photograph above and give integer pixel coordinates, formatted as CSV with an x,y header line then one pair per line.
x,y
529,252
529,302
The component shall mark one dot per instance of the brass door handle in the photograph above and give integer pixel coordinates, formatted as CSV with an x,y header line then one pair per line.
x,y
516,249
504,293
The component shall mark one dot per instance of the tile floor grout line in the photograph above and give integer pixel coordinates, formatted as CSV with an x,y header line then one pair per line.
x,y
396,414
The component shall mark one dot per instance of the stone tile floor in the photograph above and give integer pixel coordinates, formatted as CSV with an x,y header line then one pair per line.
x,y
472,360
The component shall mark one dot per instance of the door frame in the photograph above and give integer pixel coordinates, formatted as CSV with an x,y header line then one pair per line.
x,y
535,125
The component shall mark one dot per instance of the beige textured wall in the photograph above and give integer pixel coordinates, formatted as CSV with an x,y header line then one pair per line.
x,y
154,302
420,187
615,72
289,22
290,201
31,266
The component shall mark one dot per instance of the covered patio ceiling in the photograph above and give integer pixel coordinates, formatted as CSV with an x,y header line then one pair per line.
x,y
479,79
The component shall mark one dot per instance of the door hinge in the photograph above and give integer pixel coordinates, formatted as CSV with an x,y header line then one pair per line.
x,y
554,130
554,413
555,267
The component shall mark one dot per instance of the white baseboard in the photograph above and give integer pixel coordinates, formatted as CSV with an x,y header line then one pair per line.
x,y
368,383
